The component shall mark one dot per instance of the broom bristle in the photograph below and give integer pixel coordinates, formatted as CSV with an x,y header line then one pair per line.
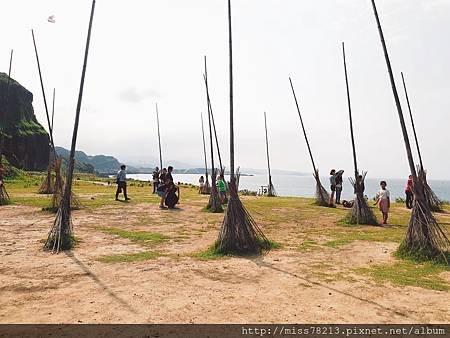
x,y
214,204
60,235
425,238
48,183
431,199
271,192
361,213
4,197
58,191
239,233
322,196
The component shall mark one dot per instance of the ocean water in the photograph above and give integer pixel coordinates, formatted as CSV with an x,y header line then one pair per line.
x,y
304,186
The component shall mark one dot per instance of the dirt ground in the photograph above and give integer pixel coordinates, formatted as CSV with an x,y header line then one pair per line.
x,y
286,285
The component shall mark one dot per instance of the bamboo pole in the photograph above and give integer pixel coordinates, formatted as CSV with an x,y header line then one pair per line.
x,y
396,98
303,127
361,212
270,189
53,108
204,152
350,114
9,78
230,49
213,121
159,138
412,123
52,144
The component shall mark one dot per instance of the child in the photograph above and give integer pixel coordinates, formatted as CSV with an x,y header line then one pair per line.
x,y
201,182
409,192
221,186
384,201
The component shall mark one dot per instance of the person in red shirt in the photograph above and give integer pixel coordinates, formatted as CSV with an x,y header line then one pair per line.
x,y
409,192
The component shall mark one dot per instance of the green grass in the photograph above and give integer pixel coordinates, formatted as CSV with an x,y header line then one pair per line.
x,y
209,254
128,258
389,234
409,273
308,245
143,237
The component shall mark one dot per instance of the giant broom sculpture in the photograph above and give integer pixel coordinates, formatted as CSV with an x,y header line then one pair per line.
x,y
4,197
361,213
322,196
430,197
425,238
239,234
214,204
270,188
60,235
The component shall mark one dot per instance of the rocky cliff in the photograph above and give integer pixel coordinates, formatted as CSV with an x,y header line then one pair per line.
x,y
23,141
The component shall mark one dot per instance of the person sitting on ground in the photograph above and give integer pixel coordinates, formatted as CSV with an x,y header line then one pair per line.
x,y
384,201
201,183
222,187
166,182
409,192
172,195
155,177
332,185
122,183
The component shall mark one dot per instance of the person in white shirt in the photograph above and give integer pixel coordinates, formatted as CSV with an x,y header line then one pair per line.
x,y
122,183
384,201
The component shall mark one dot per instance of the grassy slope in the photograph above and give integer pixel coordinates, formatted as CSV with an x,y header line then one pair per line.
x,y
272,212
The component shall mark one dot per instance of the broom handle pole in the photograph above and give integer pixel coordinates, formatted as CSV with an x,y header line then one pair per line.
x,y
68,186
159,138
397,100
267,147
53,108
350,112
52,144
204,147
412,122
303,127
230,50
212,115
9,78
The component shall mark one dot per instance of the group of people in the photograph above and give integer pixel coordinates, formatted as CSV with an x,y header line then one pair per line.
x,y
382,198
163,186
221,185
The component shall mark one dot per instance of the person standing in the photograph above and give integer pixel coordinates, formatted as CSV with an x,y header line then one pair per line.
x,y
384,201
409,192
201,183
332,186
222,187
122,182
155,177
338,180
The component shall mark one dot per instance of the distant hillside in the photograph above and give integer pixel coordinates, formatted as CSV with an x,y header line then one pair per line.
x,y
87,163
